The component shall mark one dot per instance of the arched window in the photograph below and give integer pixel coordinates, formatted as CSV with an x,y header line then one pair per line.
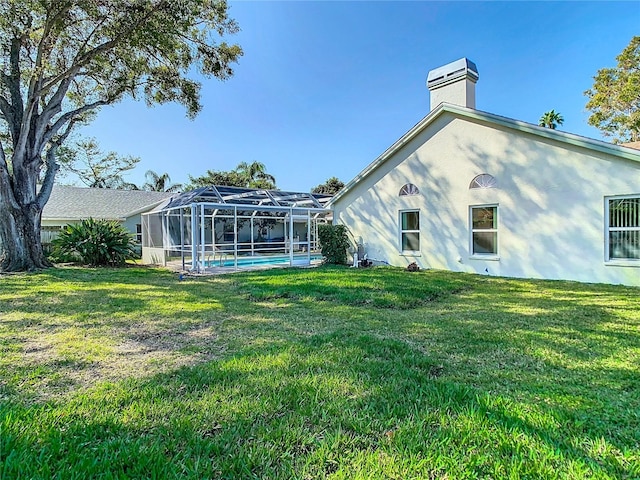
x,y
409,189
484,180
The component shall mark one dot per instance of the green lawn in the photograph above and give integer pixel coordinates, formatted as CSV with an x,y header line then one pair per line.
x,y
316,373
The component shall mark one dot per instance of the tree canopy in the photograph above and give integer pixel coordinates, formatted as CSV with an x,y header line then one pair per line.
x,y
614,99
160,183
551,119
248,175
94,168
64,59
331,186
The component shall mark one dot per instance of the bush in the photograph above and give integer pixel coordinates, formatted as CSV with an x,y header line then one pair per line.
x,y
334,243
55,255
95,243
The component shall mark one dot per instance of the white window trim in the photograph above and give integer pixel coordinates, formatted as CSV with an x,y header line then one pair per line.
x,y
621,262
414,253
484,256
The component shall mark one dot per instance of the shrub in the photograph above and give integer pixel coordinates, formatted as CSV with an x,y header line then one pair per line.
x,y
334,243
55,255
96,243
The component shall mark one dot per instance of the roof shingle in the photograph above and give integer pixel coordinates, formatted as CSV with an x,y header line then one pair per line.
x,y
77,203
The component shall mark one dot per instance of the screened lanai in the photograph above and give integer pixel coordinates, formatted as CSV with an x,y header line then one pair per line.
x,y
233,227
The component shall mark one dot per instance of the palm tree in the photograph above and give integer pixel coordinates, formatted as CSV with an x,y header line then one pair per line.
x,y
160,183
255,175
551,119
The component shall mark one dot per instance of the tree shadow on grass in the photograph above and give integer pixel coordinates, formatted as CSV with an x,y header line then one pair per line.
x,y
68,328
508,377
573,322
333,403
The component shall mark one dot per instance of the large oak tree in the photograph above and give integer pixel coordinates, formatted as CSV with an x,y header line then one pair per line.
x,y
64,59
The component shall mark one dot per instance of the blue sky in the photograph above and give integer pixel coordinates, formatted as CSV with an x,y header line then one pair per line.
x,y
324,87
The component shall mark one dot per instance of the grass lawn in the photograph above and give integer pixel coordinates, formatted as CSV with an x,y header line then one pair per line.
x,y
316,373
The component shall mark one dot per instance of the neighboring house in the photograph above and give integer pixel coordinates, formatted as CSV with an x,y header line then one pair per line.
x,y
73,204
470,191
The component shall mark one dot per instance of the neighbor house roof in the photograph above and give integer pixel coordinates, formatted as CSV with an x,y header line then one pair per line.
x,y
77,203
477,115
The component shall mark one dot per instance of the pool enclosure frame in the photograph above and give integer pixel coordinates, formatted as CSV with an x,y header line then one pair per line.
x,y
221,226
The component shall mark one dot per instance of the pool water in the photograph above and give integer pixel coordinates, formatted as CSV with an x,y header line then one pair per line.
x,y
274,260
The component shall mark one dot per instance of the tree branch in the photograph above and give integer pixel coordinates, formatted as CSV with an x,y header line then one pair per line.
x,y
52,167
20,146
85,58
69,117
12,82
3,159
47,183
5,181
14,77
43,51
6,109
53,106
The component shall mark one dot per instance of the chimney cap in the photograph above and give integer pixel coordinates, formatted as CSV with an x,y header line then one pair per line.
x,y
463,68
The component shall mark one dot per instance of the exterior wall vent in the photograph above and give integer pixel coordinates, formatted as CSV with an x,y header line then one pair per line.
x,y
408,190
483,180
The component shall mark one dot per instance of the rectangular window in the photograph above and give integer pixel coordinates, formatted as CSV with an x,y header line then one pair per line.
x,y
484,230
139,233
410,231
623,228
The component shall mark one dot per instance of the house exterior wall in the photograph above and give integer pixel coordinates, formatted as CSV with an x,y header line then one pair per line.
x,y
130,223
50,229
550,197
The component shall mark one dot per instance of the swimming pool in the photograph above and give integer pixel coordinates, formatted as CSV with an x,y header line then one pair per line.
x,y
271,260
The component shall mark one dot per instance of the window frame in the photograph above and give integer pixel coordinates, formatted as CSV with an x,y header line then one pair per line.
x,y
485,256
402,231
608,229
138,235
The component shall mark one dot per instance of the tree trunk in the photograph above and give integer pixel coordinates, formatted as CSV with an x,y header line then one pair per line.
x,y
20,245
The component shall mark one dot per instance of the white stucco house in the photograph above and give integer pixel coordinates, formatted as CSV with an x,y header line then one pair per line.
x,y
465,190
69,204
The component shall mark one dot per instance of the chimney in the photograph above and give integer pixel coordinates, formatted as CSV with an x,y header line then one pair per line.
x,y
454,83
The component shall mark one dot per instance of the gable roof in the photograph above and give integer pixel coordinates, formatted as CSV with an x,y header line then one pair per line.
x,y
77,203
472,114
